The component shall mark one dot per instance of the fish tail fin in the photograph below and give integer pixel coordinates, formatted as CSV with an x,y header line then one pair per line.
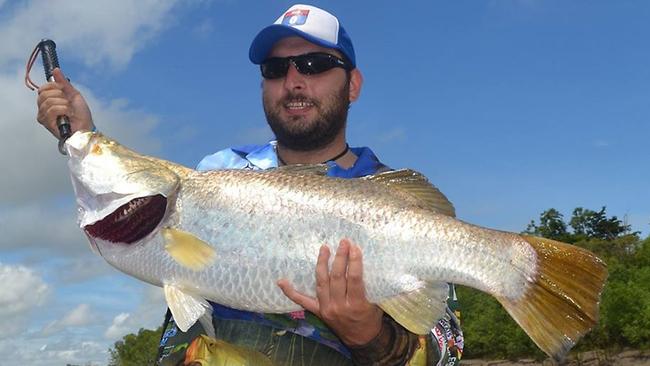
x,y
561,304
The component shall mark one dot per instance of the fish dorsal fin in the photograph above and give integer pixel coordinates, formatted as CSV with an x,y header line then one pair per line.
x,y
418,186
302,169
187,249
185,308
418,310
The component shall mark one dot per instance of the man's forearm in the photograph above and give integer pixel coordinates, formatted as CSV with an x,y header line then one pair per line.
x,y
394,345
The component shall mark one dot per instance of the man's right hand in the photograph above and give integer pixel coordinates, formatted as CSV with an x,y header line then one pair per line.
x,y
59,98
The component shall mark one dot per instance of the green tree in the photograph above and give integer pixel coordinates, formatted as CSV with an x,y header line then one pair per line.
x,y
136,349
551,225
591,224
489,331
585,224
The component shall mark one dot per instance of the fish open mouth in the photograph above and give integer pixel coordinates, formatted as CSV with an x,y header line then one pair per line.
x,y
131,222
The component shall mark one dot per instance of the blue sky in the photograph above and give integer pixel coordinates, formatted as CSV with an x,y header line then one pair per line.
x,y
510,107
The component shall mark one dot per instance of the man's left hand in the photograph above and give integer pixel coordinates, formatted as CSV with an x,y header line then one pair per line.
x,y
340,296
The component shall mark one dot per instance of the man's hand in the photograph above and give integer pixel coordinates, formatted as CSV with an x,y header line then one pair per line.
x,y
59,98
340,296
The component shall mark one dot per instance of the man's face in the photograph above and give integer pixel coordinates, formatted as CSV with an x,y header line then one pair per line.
x,y
306,112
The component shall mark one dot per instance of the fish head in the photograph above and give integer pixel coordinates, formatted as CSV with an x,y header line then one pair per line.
x,y
122,196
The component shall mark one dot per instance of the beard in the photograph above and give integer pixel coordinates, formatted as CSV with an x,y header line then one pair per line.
x,y
301,134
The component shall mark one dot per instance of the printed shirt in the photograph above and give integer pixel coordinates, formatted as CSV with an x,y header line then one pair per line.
x,y
286,338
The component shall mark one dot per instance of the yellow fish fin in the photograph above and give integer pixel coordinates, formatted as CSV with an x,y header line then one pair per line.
x,y
419,357
186,308
208,351
418,310
561,303
187,249
303,169
418,186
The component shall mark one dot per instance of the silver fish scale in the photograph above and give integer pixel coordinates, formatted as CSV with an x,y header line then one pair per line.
x,y
265,226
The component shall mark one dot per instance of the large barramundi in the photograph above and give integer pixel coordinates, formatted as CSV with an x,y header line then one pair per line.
x,y
228,236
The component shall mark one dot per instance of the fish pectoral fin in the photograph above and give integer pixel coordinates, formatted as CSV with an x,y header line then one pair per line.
x,y
418,186
303,169
185,308
418,310
187,249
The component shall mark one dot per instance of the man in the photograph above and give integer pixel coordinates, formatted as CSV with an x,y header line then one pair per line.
x,y
309,73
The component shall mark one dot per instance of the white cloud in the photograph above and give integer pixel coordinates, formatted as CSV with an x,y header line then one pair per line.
x,y
98,31
77,317
112,32
118,328
32,225
149,314
23,290
52,237
85,266
32,168
64,352
84,333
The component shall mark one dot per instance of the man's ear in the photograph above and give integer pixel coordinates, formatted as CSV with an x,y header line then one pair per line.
x,y
356,80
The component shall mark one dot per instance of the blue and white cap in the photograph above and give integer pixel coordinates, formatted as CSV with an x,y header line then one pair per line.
x,y
306,21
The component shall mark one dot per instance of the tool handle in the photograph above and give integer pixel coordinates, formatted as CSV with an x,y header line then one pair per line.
x,y
50,62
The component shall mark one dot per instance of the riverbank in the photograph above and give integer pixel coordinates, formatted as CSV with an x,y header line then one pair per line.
x,y
592,358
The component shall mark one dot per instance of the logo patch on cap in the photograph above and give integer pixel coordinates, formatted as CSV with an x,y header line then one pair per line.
x,y
295,17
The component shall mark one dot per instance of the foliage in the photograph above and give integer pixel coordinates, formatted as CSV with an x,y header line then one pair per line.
x,y
625,307
136,349
586,225
551,225
625,304
596,225
489,331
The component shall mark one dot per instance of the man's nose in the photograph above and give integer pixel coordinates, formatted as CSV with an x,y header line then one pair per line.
x,y
294,79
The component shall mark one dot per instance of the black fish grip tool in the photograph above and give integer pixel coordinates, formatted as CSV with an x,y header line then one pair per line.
x,y
47,49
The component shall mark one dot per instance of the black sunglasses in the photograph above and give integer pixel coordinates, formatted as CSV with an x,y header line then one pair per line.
x,y
307,64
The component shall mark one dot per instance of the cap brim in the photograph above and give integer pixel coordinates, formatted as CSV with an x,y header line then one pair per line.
x,y
269,36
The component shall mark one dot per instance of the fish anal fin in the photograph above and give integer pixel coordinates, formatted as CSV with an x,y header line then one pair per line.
x,y
206,323
186,308
561,304
418,310
418,186
187,249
